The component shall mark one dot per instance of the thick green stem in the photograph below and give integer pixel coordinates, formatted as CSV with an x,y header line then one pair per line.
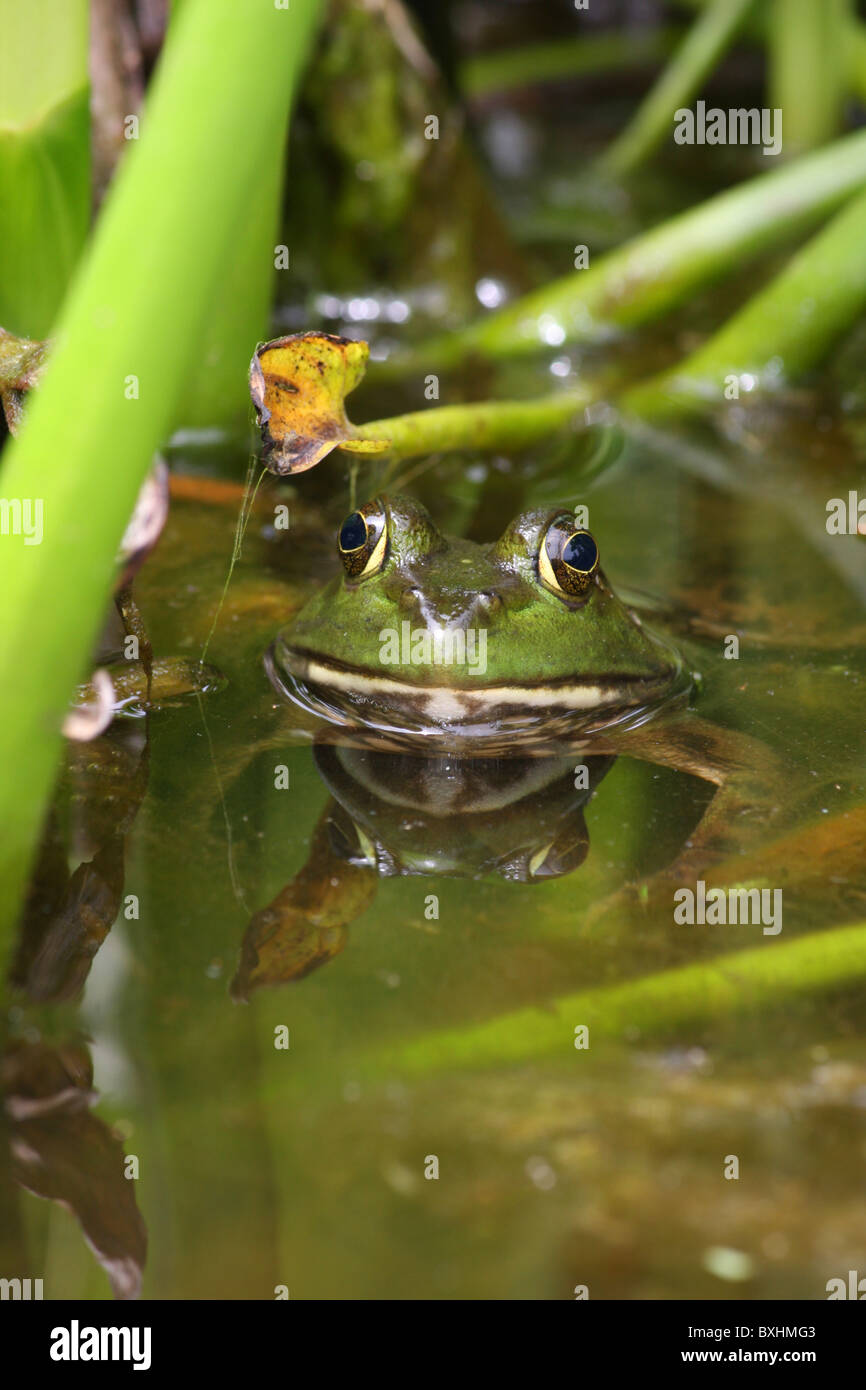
x,y
710,36
482,425
642,280
586,56
240,312
688,998
809,68
781,333
129,336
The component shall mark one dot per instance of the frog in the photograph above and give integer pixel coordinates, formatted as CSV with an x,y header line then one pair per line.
x,y
477,648
430,662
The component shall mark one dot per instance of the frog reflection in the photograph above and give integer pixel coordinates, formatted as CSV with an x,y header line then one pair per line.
x,y
403,814
519,818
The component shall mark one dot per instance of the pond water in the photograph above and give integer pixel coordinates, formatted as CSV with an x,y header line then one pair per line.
x,y
412,1118
305,1166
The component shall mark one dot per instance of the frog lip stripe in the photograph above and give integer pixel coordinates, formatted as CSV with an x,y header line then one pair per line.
x,y
447,701
475,724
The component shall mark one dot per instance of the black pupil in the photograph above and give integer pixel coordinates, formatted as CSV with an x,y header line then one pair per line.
x,y
353,532
580,552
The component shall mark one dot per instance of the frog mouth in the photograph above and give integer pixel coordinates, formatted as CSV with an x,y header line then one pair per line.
x,y
344,694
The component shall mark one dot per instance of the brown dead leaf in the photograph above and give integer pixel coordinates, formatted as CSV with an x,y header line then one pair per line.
x,y
63,1152
305,925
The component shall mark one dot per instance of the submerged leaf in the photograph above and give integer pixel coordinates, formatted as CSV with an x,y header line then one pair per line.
x,y
305,924
63,1152
298,385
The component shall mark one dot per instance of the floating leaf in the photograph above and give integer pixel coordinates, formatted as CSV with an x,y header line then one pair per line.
x,y
298,385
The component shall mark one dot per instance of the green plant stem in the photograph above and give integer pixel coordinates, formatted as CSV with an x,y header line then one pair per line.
x,y
240,313
710,36
809,68
757,24
783,332
136,310
587,56
641,281
688,998
482,425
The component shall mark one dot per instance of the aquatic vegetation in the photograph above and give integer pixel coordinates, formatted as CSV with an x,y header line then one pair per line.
x,y
128,337
713,32
45,159
537,864
655,1007
639,282
785,331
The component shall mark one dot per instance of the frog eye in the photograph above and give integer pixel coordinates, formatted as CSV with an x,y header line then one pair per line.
x,y
568,559
362,540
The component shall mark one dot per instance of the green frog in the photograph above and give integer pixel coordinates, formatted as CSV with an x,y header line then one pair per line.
x,y
445,660
479,648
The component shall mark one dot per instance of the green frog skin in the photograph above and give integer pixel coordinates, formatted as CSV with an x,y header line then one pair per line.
x,y
424,634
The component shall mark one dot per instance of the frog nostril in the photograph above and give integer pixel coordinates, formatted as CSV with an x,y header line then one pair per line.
x,y
488,602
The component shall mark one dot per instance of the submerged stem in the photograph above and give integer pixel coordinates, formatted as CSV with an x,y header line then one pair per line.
x,y
585,56
690,996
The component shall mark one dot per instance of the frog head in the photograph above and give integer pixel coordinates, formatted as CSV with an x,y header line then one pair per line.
x,y
423,632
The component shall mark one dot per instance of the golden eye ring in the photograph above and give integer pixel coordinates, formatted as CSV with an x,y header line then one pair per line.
x,y
568,559
362,540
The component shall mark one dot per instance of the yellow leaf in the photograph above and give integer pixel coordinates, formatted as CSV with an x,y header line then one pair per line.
x,y
298,385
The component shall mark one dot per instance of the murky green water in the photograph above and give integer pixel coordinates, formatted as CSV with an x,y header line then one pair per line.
x,y
310,1165
261,1166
